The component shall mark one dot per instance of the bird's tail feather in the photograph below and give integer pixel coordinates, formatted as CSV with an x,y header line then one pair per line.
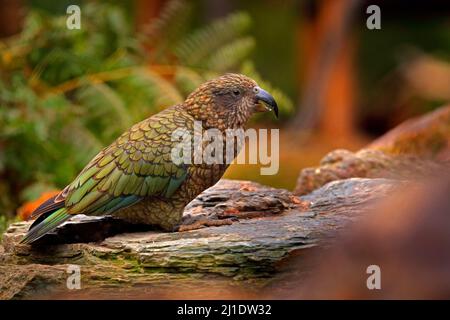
x,y
40,228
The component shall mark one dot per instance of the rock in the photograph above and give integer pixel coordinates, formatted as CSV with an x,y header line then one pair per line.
x,y
425,136
366,163
417,148
406,236
272,225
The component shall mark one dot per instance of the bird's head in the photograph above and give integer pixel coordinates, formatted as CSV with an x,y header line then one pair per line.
x,y
229,101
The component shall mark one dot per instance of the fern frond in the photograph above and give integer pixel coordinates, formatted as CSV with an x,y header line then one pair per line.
x,y
86,139
187,79
167,92
200,44
231,55
103,104
168,26
114,100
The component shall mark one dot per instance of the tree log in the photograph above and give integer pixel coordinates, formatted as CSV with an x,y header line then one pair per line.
x,y
122,260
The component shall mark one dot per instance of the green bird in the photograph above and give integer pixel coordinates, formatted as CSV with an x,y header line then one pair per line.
x,y
135,177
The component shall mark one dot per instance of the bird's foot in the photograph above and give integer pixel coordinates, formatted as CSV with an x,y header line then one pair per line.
x,y
191,223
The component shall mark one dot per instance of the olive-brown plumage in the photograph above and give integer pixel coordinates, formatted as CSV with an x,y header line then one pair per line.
x,y
135,177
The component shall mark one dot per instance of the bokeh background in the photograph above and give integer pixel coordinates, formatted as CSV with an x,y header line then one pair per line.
x,y
65,94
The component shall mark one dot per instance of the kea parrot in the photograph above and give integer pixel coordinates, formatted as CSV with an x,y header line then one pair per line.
x,y
135,178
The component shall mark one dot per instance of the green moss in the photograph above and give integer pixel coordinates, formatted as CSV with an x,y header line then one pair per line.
x,y
4,223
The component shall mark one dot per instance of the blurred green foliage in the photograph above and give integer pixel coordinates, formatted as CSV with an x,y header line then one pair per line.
x,y
380,54
3,225
274,26
65,94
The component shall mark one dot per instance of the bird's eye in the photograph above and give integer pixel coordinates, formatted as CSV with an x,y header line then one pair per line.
x,y
236,92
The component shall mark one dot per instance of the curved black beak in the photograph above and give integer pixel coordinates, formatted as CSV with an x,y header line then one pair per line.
x,y
267,99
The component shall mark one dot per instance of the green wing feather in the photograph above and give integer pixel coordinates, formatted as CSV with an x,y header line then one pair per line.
x,y
47,225
137,165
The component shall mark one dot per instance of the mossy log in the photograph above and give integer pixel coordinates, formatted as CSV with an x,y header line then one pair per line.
x,y
269,225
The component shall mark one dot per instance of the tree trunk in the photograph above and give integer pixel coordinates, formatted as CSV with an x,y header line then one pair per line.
x,y
11,17
328,99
